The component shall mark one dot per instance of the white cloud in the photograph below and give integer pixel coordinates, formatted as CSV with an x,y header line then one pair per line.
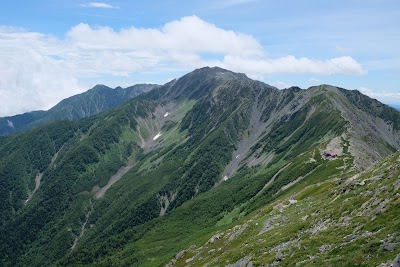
x,y
381,95
291,64
37,70
313,80
98,5
281,85
29,78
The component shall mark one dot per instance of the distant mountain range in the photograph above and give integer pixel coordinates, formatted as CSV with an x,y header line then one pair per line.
x,y
395,106
89,103
211,169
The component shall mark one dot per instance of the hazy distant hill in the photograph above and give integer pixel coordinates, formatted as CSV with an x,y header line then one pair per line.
x,y
210,169
89,103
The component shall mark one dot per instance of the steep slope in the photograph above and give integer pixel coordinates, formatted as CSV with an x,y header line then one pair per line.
x,y
347,220
89,103
137,184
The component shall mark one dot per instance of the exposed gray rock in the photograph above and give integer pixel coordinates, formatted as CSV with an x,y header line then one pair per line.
x,y
321,225
243,262
389,246
397,185
349,237
269,224
214,238
189,260
279,256
387,264
238,231
180,254
324,248
382,207
171,263
396,262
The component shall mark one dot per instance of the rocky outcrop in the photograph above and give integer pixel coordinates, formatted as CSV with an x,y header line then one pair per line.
x,y
243,262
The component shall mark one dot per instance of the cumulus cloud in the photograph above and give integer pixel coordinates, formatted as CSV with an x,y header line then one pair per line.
x,y
291,64
98,5
37,70
29,78
181,43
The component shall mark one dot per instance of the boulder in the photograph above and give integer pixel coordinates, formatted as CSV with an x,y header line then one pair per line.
x,y
279,256
243,262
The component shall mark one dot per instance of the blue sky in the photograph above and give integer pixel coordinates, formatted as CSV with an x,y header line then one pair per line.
x,y
52,49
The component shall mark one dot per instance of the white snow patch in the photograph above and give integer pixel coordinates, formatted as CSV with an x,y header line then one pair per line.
x,y
166,114
157,136
10,124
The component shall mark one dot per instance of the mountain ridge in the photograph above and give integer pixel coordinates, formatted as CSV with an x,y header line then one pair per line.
x,y
86,104
196,155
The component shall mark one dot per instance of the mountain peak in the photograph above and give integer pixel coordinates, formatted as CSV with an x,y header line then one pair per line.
x,y
219,72
100,87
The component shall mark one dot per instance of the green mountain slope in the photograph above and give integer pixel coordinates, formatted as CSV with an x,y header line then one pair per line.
x,y
346,220
89,103
177,165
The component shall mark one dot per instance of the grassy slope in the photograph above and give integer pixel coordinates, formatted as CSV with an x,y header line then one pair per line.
x,y
313,231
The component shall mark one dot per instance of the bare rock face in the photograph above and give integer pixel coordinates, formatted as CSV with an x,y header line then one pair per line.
x,y
238,230
389,246
395,263
171,263
214,238
349,238
243,262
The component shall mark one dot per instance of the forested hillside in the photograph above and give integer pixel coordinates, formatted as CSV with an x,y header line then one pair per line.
x,y
98,99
